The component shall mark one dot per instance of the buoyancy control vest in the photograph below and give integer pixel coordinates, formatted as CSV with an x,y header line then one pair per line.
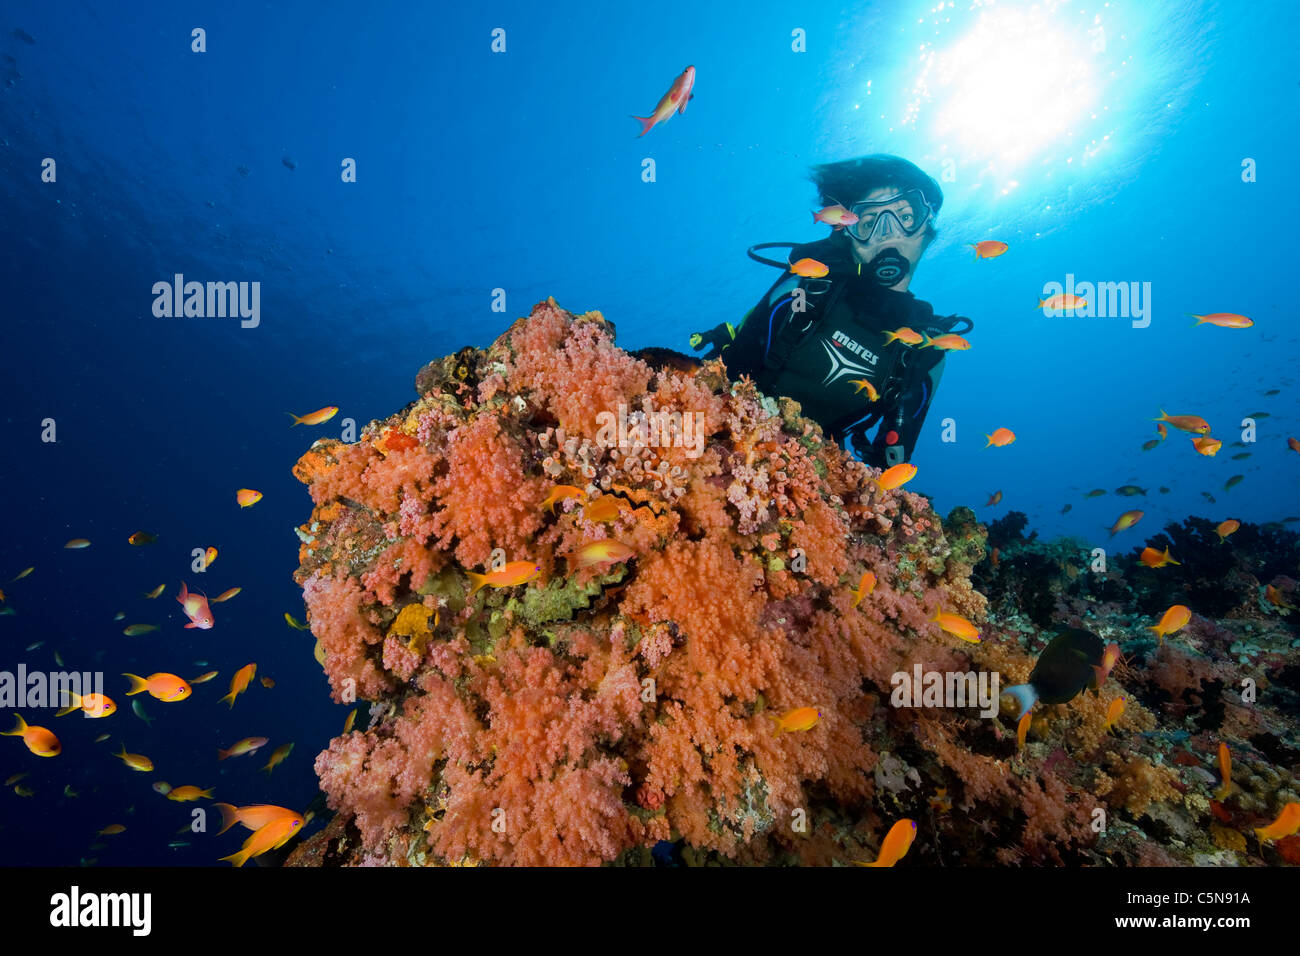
x,y
823,342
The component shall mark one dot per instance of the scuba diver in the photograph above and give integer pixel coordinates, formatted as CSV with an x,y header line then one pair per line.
x,y
838,343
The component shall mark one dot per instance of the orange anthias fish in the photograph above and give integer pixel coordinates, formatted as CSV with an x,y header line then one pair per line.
x,y
1293,444
865,586
948,343
1156,559
1022,728
165,687
836,216
204,678
1224,320
1113,713
254,816
156,591
317,417
246,746
196,608
188,793
896,477
601,553
135,761
239,683
95,705
270,837
39,740
956,625
674,101
209,557
269,682
809,268
559,493
1062,302
142,538
1225,772
226,595
905,335
801,718
605,508
897,842
277,757
1185,423
862,383
994,498
1207,446
1173,619
1127,520
77,544
1287,822
988,248
247,497
1001,438
1276,598
1226,528
1109,657
352,719
113,829
512,575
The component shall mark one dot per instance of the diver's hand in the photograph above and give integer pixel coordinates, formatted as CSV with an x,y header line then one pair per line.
x,y
718,338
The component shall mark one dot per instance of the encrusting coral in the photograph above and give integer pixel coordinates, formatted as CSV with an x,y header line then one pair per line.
x,y
581,712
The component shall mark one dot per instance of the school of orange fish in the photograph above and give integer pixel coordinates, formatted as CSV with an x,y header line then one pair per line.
x,y
271,826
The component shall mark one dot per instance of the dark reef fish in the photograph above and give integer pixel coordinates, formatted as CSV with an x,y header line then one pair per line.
x,y
1065,668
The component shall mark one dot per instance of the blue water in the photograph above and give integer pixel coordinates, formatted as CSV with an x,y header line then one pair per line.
x,y
1112,161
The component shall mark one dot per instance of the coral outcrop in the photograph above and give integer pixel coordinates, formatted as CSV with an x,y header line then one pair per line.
x,y
692,549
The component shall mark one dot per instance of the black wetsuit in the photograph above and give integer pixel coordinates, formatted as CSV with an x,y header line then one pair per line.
x,y
813,356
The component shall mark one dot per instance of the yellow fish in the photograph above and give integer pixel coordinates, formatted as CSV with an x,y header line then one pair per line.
x,y
809,268
896,477
947,343
1287,822
1127,520
897,842
156,591
801,718
956,625
866,585
1155,559
318,417
1173,619
188,793
560,493
862,383
512,575
604,552
1113,713
905,335
277,757
294,623
605,508
135,761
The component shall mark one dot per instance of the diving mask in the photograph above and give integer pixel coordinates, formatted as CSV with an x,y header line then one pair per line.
x,y
897,217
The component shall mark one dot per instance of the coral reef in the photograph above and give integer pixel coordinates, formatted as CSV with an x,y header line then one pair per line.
x,y
581,712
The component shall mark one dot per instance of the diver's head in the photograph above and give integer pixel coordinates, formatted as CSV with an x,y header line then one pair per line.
x,y
895,204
